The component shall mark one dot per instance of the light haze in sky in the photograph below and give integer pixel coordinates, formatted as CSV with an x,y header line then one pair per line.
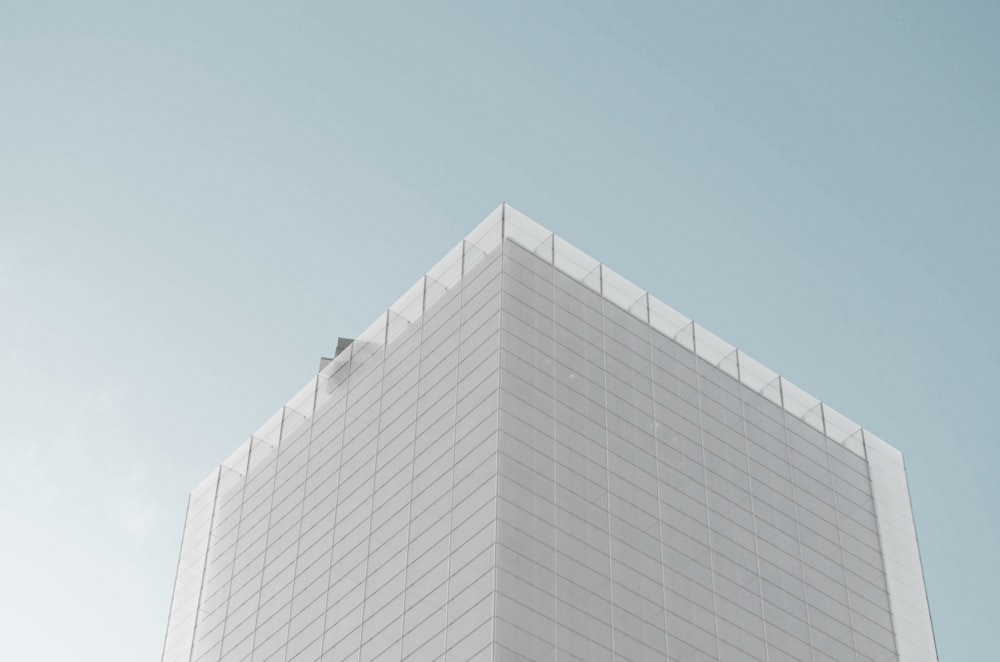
x,y
196,199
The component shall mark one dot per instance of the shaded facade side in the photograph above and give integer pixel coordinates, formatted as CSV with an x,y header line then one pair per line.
x,y
653,507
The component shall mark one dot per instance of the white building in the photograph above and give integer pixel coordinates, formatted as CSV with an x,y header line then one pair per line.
x,y
527,457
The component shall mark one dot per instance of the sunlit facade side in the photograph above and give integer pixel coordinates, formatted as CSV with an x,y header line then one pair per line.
x,y
527,457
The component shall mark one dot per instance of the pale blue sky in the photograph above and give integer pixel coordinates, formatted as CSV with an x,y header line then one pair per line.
x,y
197,199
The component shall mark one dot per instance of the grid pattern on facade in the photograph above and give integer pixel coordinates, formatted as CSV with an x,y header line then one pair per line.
x,y
652,507
360,523
528,457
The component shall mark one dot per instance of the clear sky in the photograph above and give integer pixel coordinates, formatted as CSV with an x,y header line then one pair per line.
x,y
196,199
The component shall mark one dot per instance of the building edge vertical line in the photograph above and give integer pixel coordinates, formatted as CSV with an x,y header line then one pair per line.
x,y
920,560
204,567
173,593
496,501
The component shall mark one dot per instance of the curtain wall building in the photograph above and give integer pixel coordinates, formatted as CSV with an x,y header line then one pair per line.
x,y
527,457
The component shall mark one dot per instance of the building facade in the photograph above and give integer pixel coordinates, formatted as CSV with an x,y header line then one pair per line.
x,y
527,457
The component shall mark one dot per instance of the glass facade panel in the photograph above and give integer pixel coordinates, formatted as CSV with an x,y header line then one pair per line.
x,y
624,294
715,351
670,323
576,264
531,236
